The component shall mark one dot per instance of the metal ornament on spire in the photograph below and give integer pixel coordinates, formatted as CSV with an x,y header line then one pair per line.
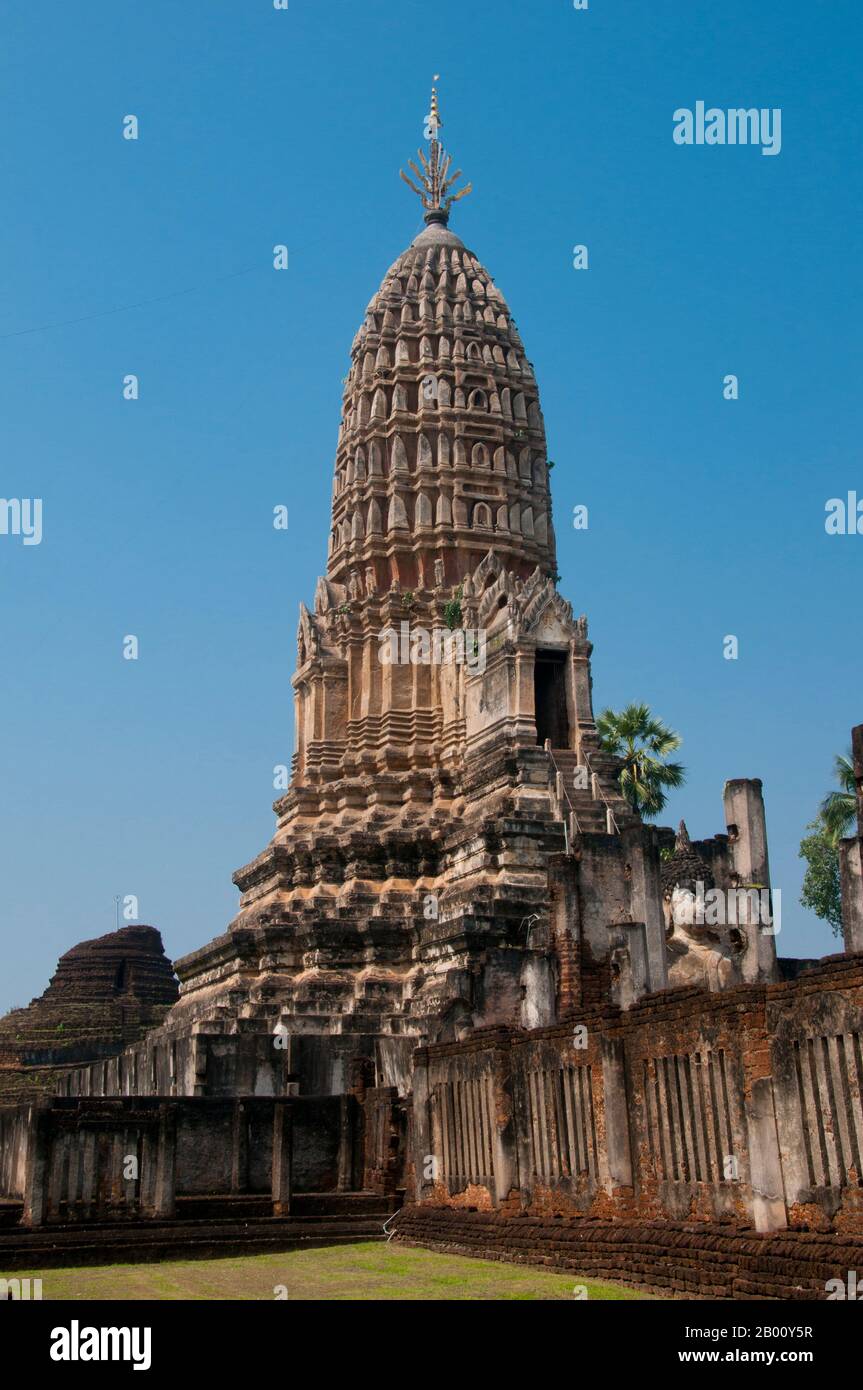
x,y
434,177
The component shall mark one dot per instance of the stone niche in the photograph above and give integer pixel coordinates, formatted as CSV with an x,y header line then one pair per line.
x,y
536,685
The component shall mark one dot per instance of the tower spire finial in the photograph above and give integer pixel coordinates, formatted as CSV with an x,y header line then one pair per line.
x,y
435,179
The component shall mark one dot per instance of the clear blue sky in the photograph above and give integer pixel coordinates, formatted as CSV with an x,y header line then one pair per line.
x,y
256,127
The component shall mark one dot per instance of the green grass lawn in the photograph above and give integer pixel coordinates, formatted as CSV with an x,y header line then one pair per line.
x,y
368,1271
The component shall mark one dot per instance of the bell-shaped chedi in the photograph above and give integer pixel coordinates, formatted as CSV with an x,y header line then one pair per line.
x,y
104,994
441,452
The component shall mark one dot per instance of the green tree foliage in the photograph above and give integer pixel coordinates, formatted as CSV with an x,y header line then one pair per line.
x,y
644,743
820,892
839,808
821,882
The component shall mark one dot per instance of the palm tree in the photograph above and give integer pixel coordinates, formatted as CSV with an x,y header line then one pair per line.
x,y
644,744
839,808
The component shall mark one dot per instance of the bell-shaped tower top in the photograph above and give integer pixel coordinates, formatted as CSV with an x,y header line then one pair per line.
x,y
441,454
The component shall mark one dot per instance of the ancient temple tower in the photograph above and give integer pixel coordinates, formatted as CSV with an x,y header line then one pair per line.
x,y
441,462
448,784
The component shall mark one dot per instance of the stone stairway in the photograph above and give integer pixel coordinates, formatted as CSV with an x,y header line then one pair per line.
x,y
359,1216
590,813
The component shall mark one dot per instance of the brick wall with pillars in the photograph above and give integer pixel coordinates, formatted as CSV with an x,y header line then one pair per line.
x,y
741,1106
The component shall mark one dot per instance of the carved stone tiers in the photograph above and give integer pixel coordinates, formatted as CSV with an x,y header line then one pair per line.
x,y
415,849
441,450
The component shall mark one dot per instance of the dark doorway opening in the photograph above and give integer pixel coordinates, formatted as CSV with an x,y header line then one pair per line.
x,y
549,695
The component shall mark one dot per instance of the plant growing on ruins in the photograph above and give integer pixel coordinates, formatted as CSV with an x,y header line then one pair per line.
x,y
821,891
452,611
644,743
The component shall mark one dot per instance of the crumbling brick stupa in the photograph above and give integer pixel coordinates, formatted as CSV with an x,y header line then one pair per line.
x,y
465,977
105,995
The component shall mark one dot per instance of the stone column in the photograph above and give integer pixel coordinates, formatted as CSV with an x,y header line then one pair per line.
x,y
149,1165
239,1148
133,1188
346,1143
504,1146
851,858
627,945
582,701
422,1134
747,834
59,1179
198,1066
37,1168
89,1172
166,1163
73,1175
851,874
646,901
765,1164
282,1155
617,1141
514,1086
